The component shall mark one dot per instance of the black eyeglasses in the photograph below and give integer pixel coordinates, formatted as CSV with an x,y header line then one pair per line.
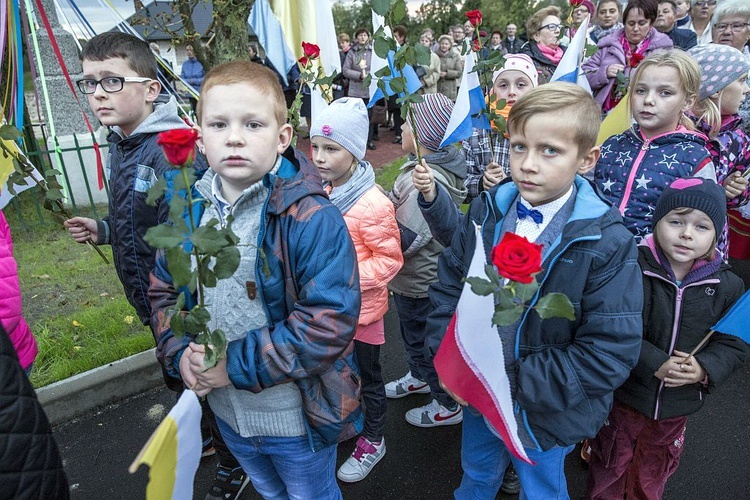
x,y
735,27
110,84
710,3
553,27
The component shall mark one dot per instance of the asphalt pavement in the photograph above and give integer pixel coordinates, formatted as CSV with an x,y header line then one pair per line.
x,y
98,447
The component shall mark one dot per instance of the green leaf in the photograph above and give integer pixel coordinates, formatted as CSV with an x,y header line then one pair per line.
x,y
480,286
381,6
366,81
180,304
157,191
410,56
555,305
227,262
525,292
163,236
384,71
505,299
506,317
218,341
423,54
491,271
178,263
54,194
398,85
208,240
381,47
177,324
10,133
398,12
211,358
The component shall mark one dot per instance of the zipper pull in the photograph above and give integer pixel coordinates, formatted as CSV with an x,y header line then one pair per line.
x,y
645,145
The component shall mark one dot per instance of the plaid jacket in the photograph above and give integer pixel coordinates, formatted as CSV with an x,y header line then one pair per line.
x,y
478,155
307,277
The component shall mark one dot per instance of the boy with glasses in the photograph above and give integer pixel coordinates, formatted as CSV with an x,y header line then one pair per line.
x,y
120,82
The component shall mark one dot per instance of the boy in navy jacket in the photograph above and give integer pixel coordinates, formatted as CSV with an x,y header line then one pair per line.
x,y
562,373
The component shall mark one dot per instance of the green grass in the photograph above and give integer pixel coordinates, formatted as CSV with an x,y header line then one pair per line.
x,y
73,301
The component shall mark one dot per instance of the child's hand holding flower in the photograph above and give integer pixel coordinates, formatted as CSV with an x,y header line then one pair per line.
x,y
424,181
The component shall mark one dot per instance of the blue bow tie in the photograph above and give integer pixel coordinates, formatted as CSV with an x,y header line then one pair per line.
x,y
524,212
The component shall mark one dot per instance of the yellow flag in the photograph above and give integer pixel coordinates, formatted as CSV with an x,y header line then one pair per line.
x,y
173,452
6,163
616,122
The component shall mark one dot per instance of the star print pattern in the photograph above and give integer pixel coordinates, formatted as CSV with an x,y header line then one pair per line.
x,y
632,179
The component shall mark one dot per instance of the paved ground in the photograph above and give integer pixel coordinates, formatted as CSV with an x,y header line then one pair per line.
x,y
420,463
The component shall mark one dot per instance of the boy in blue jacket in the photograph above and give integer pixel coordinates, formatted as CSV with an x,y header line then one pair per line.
x,y
562,373
287,390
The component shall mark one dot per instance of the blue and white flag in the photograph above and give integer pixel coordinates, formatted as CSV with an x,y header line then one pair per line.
x,y
270,34
469,103
413,83
569,68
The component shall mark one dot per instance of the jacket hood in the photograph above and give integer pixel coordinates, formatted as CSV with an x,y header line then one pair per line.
x,y
295,179
449,159
163,118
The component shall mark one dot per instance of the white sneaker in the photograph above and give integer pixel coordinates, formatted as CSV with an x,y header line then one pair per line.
x,y
404,386
434,415
364,458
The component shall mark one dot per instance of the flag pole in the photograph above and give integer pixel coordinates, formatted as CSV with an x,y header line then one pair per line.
x,y
700,344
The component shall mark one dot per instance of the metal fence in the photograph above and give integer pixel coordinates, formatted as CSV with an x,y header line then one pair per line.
x,y
75,157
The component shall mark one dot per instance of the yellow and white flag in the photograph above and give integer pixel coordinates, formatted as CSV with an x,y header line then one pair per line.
x,y
173,452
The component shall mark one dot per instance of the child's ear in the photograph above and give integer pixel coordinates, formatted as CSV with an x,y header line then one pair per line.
x,y
199,142
285,137
589,160
152,91
689,103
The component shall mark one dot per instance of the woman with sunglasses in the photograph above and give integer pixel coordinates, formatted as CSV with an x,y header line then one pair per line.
x,y
622,51
544,28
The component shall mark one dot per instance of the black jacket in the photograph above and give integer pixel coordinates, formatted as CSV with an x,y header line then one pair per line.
x,y
30,463
681,317
544,66
512,46
682,38
134,164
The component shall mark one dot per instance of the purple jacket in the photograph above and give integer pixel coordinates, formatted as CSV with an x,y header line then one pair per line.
x,y
10,300
611,52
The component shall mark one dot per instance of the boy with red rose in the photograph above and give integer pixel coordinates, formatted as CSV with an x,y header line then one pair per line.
x,y
288,389
562,373
120,82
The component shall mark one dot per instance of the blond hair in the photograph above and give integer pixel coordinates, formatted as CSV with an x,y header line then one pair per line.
x,y
258,76
583,115
687,69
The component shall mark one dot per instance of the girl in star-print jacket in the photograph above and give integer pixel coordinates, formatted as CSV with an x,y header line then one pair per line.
x,y
632,171
662,146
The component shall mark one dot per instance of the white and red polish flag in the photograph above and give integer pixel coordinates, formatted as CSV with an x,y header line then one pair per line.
x,y
470,359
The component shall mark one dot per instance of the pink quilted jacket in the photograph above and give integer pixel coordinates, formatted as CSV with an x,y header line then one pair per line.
x,y
10,300
373,229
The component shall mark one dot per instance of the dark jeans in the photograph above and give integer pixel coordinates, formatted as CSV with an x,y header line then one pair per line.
x,y
374,130
373,389
412,315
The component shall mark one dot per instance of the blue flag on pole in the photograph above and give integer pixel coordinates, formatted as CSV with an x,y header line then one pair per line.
x,y
412,81
735,321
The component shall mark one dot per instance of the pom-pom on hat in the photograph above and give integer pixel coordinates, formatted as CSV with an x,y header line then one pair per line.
x,y
345,122
720,65
696,193
431,117
519,62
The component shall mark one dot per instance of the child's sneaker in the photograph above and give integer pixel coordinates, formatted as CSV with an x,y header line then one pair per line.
x,y
364,458
404,386
511,482
434,415
228,484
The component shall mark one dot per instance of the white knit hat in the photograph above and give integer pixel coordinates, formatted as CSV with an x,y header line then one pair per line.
x,y
345,122
519,62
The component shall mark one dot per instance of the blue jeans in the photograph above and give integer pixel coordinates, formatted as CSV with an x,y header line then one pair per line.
x,y
412,316
484,458
284,467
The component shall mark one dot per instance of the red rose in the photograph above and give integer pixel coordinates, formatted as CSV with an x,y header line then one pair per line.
x,y
310,50
635,60
303,61
517,259
576,3
476,45
178,145
475,17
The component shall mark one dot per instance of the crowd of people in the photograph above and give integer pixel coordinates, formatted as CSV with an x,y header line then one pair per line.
x,y
660,208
